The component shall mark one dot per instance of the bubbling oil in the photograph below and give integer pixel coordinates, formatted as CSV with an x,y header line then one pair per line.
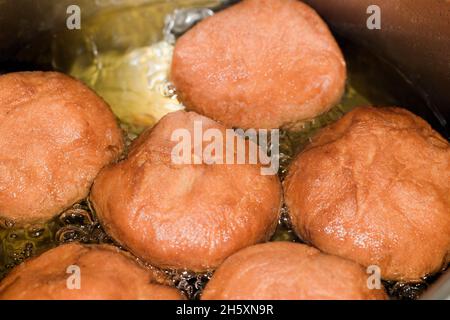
x,y
135,84
77,223
125,57
129,69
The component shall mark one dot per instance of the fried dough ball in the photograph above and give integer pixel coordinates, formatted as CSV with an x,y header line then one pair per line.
x,y
375,188
288,271
105,273
56,135
184,216
259,64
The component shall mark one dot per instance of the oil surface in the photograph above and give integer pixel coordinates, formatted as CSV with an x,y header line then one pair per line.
x,y
123,55
116,66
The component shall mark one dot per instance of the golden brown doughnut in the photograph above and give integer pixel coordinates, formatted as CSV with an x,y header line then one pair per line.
x,y
105,273
259,64
375,188
184,216
56,135
288,271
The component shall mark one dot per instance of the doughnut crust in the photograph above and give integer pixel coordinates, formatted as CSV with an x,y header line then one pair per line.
x,y
106,273
375,188
56,135
259,64
288,271
184,216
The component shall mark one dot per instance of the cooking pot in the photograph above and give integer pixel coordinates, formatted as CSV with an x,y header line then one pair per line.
x,y
413,37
